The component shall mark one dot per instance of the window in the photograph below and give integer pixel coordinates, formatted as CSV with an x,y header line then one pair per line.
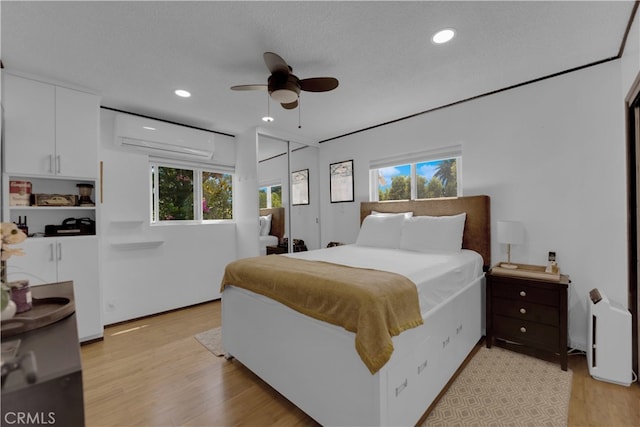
x,y
270,196
428,179
175,190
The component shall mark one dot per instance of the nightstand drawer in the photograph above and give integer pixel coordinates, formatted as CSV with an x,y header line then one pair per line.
x,y
541,336
524,310
523,292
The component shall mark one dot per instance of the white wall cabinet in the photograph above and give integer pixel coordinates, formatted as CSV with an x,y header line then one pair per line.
x,y
49,130
51,138
57,259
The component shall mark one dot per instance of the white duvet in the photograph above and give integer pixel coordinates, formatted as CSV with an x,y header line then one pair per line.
x,y
436,275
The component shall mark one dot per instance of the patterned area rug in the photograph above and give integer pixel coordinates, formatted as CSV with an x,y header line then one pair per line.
x,y
212,340
501,388
497,388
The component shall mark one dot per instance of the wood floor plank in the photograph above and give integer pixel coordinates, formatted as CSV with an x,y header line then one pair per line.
x,y
152,372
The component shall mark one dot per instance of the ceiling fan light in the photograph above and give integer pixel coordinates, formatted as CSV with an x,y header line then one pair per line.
x,y
284,96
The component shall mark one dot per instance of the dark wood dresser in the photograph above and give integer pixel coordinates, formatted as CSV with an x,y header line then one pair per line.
x,y
56,396
528,315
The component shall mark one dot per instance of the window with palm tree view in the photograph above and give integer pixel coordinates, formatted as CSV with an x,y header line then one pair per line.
x,y
425,180
190,194
270,196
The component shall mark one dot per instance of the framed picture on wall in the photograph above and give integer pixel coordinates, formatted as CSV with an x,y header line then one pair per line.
x,y
341,181
300,187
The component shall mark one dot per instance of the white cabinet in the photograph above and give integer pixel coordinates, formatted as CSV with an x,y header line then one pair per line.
x,y
49,130
57,259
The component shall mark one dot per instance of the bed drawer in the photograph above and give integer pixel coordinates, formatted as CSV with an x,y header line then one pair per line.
x,y
541,336
525,292
524,310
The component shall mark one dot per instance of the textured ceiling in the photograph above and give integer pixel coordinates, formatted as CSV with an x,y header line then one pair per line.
x,y
134,54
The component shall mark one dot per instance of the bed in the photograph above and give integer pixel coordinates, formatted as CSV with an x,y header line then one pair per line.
x,y
271,228
314,364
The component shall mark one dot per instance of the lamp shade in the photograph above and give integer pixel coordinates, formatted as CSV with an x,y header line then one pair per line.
x,y
511,232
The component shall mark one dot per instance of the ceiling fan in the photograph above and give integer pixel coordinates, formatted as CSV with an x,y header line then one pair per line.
x,y
284,87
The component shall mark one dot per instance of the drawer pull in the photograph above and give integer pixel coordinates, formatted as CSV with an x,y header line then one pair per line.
x,y
523,329
523,311
523,294
401,387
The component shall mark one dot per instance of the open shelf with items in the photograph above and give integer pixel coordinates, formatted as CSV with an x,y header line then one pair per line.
x,y
37,217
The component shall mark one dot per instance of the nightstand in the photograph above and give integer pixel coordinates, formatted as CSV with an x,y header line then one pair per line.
x,y
528,315
273,250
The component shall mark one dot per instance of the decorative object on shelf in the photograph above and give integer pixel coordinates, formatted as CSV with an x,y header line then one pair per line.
x,y
55,200
22,225
19,193
11,235
341,181
71,227
510,233
85,191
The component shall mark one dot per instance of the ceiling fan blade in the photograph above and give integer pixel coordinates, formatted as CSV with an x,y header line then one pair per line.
x,y
249,87
275,63
318,84
290,105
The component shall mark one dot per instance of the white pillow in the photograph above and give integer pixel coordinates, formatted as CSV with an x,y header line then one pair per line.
x,y
406,214
381,231
433,233
265,225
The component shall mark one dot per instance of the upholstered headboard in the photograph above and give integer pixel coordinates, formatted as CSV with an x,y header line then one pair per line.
x,y
477,227
277,221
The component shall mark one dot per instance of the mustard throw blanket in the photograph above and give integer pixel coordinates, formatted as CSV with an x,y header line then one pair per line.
x,y
373,304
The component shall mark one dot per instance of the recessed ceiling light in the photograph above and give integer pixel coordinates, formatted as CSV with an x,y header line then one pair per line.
x,y
267,119
183,93
443,36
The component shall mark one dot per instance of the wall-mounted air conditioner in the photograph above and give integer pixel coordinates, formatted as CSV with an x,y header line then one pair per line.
x,y
609,340
163,139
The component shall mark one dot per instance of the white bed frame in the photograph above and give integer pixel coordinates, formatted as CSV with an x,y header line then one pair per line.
x,y
315,365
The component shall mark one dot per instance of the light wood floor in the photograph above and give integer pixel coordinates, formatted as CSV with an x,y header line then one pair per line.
x,y
152,372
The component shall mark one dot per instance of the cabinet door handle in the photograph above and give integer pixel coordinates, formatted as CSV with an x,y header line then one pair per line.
x,y
51,255
50,163
402,387
523,311
59,251
523,329
58,163
523,294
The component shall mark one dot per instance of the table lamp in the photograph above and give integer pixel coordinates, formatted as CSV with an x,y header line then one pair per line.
x,y
510,232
